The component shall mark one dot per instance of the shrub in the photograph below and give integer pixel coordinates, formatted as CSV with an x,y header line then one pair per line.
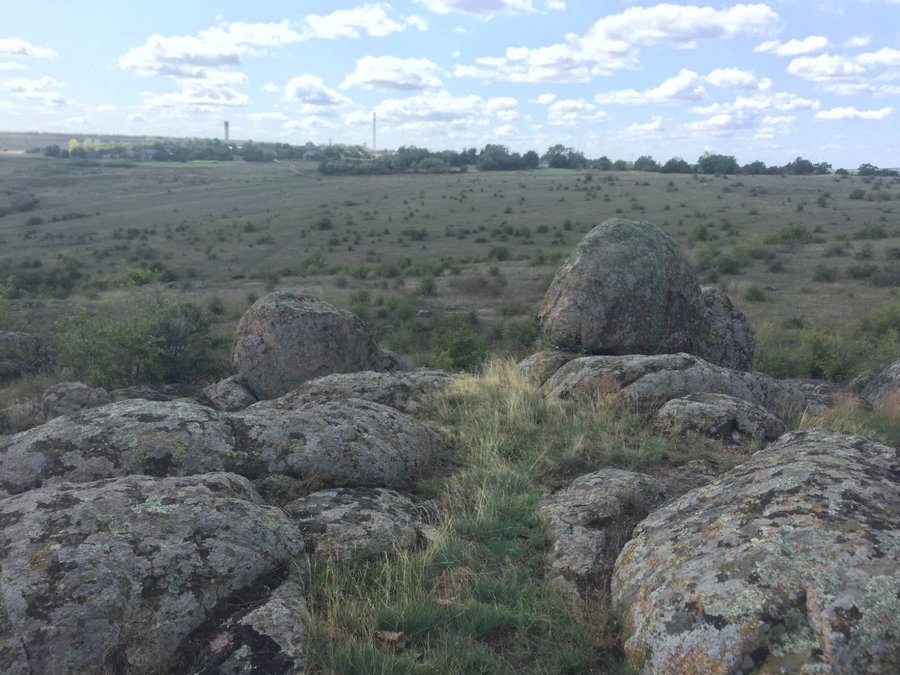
x,y
857,193
825,273
754,294
862,270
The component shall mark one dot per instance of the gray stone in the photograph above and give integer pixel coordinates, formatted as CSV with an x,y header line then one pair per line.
x,y
67,398
359,522
405,391
541,365
23,354
884,387
120,575
229,395
589,521
283,340
821,396
158,392
726,336
722,417
787,563
626,289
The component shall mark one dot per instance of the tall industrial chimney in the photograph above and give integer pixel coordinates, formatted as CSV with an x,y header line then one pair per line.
x,y
226,131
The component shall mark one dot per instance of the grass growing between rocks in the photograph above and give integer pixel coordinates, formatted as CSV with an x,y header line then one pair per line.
x,y
473,600
880,423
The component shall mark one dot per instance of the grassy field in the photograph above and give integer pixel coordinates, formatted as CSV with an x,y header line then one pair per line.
x,y
807,251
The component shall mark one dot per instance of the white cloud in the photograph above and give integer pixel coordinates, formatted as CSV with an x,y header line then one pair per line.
x,y
557,5
544,99
849,113
390,72
370,19
772,126
268,117
271,88
42,89
734,78
653,126
311,90
19,47
439,111
105,108
420,23
723,124
825,68
686,86
758,103
11,65
553,64
883,57
194,96
846,75
813,43
488,7
857,41
569,112
136,117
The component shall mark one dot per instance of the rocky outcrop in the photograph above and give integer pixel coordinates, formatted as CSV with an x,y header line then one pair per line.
x,y
626,289
589,521
405,391
359,522
228,395
349,442
541,365
123,575
786,563
649,381
885,386
21,416
67,398
822,396
725,336
23,354
158,392
283,340
721,417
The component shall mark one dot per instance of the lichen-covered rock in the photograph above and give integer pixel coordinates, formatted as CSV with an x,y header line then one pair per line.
x,y
589,521
359,522
821,395
885,385
405,391
720,416
541,365
129,437
787,563
67,398
649,381
726,336
23,354
158,392
283,340
229,395
335,443
626,289
118,575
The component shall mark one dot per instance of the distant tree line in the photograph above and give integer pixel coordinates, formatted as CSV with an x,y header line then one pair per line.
x,y
340,159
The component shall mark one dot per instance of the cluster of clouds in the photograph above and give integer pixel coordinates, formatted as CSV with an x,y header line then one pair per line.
x,y
206,71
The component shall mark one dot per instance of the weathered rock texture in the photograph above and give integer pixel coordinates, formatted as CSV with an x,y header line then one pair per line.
x,y
650,381
349,442
405,391
23,354
159,392
787,563
885,385
626,289
283,340
725,336
359,522
118,575
67,398
722,417
589,521
821,395
541,365
229,395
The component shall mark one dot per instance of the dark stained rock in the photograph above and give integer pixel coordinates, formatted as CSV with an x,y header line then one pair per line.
x,y
359,522
626,289
589,521
158,392
722,417
119,575
23,354
283,340
228,395
725,337
405,391
787,563
67,398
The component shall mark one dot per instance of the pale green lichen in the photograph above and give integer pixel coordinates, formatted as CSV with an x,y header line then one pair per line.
x,y
154,504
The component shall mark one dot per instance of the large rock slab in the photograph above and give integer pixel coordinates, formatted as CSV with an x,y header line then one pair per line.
x,y
360,522
23,354
118,575
726,336
722,417
589,521
283,340
649,381
67,398
541,365
228,395
626,289
405,391
787,563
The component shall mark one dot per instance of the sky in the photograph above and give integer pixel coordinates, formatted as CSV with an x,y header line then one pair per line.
x,y
759,80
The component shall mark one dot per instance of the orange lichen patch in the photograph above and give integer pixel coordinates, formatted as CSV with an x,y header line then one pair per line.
x,y
39,559
694,662
712,531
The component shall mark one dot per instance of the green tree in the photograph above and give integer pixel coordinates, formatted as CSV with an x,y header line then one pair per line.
x,y
676,165
646,163
709,163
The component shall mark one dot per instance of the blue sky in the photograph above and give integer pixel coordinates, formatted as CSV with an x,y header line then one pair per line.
x,y
770,81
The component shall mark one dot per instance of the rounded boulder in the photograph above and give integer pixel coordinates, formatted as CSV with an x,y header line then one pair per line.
x,y
284,339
